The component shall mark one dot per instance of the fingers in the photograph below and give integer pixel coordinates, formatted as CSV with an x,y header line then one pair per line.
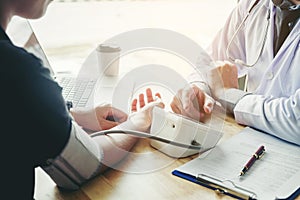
x,y
149,95
159,101
225,75
176,105
141,100
134,105
158,95
209,103
206,102
192,102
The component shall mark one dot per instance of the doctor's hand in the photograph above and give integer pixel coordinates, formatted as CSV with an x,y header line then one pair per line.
x,y
101,117
141,116
192,102
221,78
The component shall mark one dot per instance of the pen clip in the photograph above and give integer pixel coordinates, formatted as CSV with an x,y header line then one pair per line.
x,y
261,155
220,188
258,155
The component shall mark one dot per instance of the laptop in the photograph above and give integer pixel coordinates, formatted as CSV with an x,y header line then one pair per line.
x,y
77,91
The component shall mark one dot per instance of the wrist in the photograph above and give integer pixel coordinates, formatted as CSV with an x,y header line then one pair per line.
x,y
86,118
230,97
202,86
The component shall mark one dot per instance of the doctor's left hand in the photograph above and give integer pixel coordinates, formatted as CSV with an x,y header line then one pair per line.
x,y
221,78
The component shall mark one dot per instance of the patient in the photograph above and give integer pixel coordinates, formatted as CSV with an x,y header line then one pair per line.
x,y
38,127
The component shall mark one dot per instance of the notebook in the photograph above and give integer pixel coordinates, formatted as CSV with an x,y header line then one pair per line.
x,y
77,90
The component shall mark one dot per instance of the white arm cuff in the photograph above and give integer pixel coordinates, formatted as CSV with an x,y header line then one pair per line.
x,y
79,161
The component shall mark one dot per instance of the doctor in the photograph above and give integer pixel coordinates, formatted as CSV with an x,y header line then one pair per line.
x,y
263,45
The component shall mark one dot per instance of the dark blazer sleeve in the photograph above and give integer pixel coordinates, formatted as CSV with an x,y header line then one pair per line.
x,y
35,105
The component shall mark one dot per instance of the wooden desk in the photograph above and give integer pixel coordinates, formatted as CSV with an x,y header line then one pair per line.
x,y
156,184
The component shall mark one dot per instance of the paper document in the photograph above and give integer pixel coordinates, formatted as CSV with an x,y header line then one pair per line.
x,y
275,175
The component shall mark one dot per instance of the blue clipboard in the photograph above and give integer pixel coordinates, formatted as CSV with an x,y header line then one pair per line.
x,y
221,190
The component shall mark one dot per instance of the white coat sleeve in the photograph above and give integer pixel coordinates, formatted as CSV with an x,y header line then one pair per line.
x,y
277,116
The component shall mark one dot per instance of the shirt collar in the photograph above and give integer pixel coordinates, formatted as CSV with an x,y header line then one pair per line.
x,y
286,5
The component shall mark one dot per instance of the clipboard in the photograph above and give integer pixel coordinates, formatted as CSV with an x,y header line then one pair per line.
x,y
275,176
218,188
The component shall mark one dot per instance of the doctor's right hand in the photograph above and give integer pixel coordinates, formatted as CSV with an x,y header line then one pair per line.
x,y
192,102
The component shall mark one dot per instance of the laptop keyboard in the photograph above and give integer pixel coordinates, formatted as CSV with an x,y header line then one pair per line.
x,y
76,90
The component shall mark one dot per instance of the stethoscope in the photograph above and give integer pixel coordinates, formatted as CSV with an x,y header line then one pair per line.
x,y
239,61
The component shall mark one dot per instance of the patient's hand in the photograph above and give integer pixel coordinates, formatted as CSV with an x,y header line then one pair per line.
x,y
101,117
141,116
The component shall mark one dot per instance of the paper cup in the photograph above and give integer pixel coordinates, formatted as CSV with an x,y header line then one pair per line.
x,y
108,59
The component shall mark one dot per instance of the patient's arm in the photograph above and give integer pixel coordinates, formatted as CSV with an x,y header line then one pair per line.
x,y
116,146
84,156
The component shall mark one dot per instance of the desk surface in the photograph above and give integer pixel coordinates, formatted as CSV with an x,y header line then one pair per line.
x,y
115,184
154,184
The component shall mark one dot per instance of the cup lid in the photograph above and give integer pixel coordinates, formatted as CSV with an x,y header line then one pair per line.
x,y
108,48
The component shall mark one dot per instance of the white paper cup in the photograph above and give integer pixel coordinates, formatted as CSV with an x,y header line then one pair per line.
x,y
108,58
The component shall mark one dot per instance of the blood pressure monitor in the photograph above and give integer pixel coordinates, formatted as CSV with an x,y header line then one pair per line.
x,y
179,129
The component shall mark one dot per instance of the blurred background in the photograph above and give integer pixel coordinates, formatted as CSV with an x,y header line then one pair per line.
x,y
71,29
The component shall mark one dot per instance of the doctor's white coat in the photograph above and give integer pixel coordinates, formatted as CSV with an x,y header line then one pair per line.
x,y
274,106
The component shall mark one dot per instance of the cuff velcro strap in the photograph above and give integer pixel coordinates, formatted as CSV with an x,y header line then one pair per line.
x,y
79,161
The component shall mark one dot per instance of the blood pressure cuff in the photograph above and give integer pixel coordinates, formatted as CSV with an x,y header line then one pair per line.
x,y
79,161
